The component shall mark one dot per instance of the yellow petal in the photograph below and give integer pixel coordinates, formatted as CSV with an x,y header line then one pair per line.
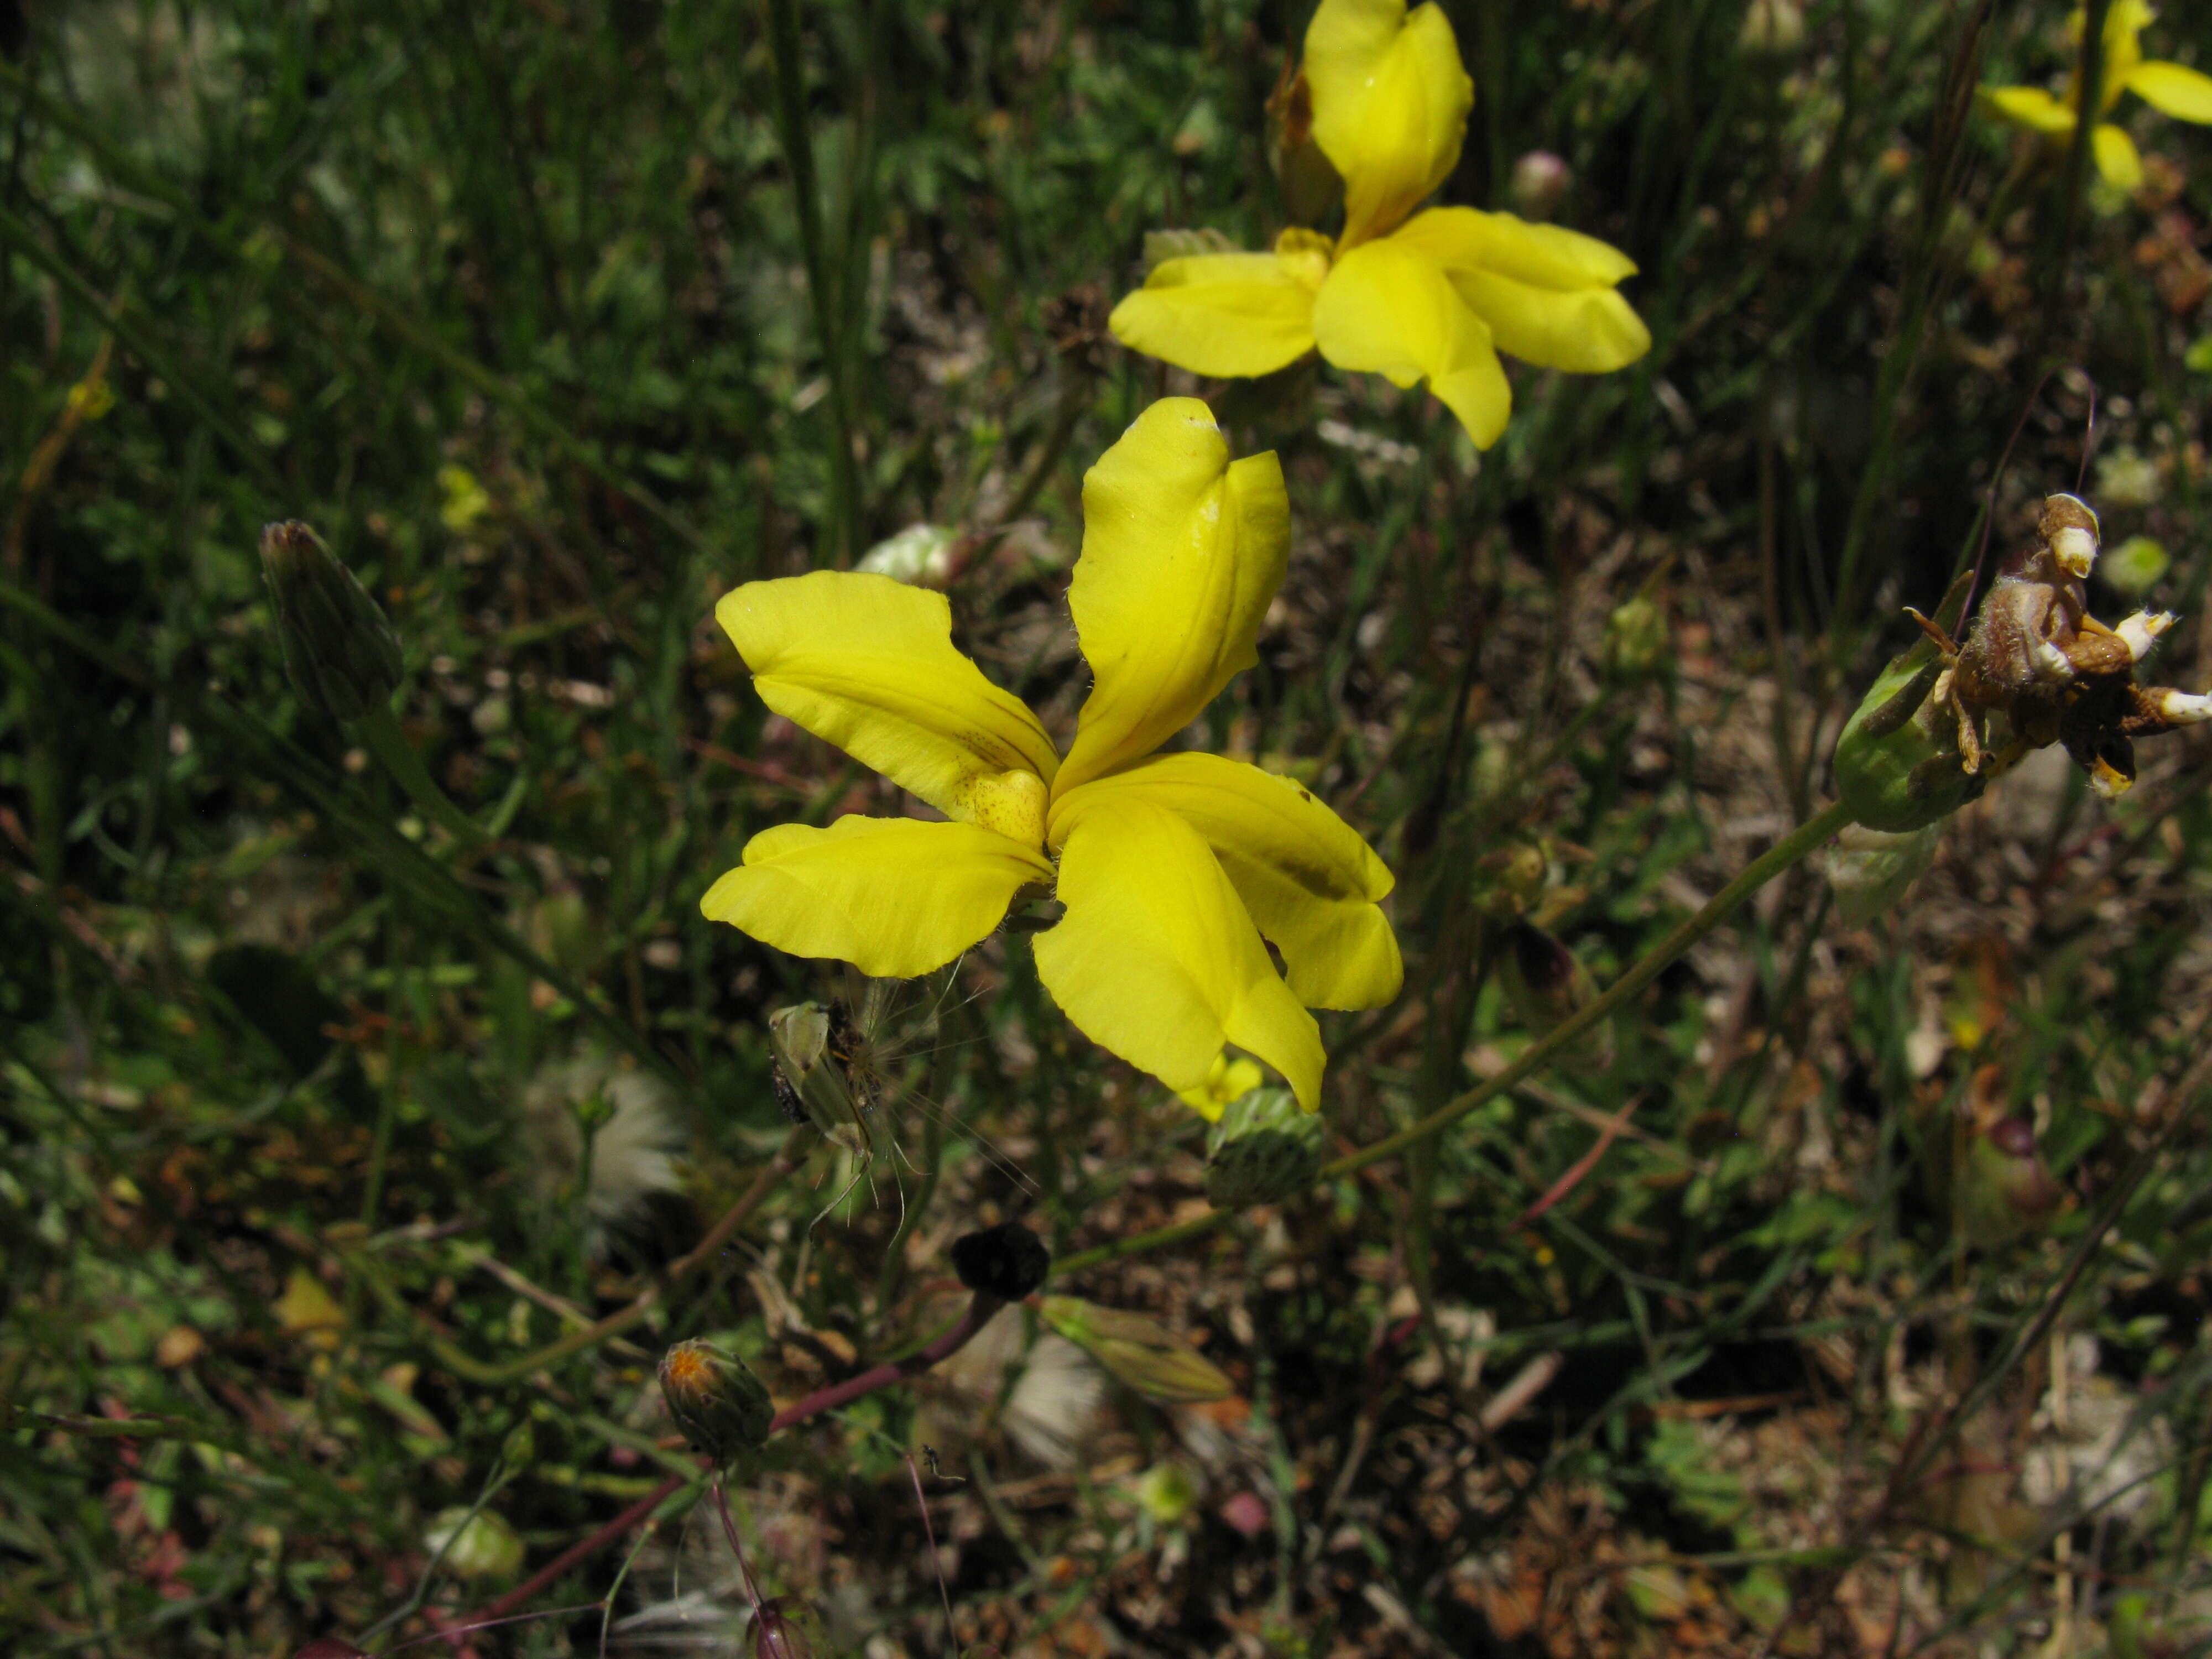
x,y
1591,332
2031,107
1157,960
1393,311
1542,256
2172,89
1390,100
1182,550
2122,52
2117,158
867,663
1545,293
894,897
1307,880
1219,314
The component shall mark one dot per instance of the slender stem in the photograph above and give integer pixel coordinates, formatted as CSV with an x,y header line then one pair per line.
x,y
379,733
2088,110
1791,850
823,286
458,1360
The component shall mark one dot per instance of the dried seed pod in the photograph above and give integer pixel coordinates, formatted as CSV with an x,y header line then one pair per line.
x,y
1264,1148
339,648
1008,1261
723,1409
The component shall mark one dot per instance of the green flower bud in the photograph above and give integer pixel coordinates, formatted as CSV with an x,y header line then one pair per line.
x,y
1263,1149
2005,1191
1547,984
723,1409
1139,1352
785,1627
812,1083
339,650
1166,1492
1635,639
1897,763
2133,569
479,1545
1871,869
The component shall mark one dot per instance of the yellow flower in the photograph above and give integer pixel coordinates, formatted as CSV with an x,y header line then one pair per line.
x,y
1172,868
2171,88
1433,298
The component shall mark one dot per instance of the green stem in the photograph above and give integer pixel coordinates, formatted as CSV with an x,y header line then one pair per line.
x,y
823,286
2089,101
379,733
1792,849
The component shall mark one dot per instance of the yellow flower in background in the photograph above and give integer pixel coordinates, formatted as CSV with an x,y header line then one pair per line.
x,y
1435,297
2171,88
1172,868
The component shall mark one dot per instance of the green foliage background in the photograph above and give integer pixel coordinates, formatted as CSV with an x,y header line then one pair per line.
x,y
512,301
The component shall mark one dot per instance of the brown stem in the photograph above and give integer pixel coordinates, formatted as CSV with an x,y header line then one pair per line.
x,y
979,1314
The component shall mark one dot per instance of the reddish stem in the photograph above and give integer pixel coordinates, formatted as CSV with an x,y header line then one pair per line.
x,y
979,1314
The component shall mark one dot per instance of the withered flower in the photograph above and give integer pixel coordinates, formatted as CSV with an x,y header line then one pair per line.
x,y
2035,668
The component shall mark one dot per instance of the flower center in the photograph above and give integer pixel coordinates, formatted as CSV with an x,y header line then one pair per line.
x,y
1305,255
1011,802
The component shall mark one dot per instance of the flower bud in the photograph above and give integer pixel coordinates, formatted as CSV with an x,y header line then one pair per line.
x,y
1547,984
1008,1261
1263,1149
339,650
784,1627
1167,1493
1635,639
1896,762
479,1545
811,1086
1312,187
723,1409
2133,569
1870,869
1139,1352
2004,1191
1772,25
1538,185
922,555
